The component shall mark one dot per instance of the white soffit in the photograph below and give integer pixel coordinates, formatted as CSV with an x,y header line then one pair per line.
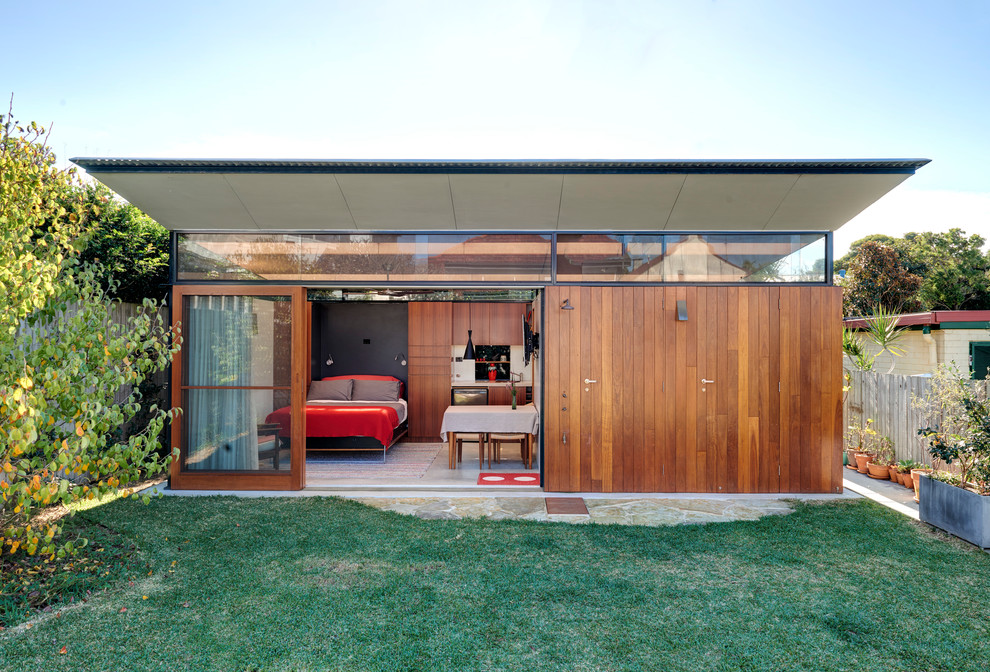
x,y
726,202
205,200
291,201
500,201
607,202
287,196
387,202
839,198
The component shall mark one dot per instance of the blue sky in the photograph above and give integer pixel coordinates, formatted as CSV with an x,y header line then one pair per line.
x,y
539,79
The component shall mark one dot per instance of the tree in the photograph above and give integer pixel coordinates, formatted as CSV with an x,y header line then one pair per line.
x,y
129,247
955,272
61,358
844,262
877,279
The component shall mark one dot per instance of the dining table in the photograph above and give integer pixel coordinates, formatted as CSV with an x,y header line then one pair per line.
x,y
486,420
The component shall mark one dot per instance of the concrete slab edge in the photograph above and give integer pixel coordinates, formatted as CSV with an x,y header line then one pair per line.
x,y
490,492
880,499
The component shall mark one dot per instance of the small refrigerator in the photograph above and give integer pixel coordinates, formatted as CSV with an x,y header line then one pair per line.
x,y
469,396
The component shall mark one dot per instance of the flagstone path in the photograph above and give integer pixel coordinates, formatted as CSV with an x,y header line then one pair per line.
x,y
650,512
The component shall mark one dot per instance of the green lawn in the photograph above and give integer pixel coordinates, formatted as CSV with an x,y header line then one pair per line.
x,y
326,584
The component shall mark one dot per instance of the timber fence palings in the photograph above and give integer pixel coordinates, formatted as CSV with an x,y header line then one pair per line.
x,y
120,313
887,400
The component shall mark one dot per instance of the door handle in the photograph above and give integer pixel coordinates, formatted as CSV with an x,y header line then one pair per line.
x,y
588,381
706,382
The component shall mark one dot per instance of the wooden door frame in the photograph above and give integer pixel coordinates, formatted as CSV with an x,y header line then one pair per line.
x,y
294,479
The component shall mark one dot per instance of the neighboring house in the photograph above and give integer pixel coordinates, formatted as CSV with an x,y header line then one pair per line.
x,y
689,331
938,337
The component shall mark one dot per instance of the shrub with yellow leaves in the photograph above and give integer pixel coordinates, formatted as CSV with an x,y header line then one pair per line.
x,y
62,359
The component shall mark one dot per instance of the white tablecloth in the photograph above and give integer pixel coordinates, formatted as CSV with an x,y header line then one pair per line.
x,y
493,419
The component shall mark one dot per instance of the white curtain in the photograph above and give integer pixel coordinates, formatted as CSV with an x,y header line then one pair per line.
x,y
221,425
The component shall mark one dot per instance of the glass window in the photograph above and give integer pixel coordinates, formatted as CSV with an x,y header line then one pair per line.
x,y
725,258
522,257
375,258
236,372
237,256
696,257
237,341
599,257
236,429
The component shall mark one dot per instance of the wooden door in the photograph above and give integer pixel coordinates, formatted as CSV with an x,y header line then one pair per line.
x,y
429,368
240,379
608,434
768,421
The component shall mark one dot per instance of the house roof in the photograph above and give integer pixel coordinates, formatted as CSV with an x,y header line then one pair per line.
x,y
935,318
311,195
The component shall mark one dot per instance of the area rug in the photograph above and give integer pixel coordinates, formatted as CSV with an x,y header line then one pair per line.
x,y
509,479
403,460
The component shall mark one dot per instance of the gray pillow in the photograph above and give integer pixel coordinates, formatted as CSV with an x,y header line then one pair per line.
x,y
375,390
330,390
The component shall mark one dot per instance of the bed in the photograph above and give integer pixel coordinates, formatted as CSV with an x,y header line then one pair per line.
x,y
357,412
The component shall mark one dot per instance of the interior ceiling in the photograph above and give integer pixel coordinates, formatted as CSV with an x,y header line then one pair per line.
x,y
487,196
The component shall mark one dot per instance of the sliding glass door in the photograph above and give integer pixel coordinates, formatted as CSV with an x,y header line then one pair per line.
x,y
239,382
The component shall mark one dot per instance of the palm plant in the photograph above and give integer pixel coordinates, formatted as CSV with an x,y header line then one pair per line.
x,y
852,347
882,331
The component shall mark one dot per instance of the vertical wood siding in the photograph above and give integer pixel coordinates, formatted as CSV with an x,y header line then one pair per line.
x,y
771,421
429,368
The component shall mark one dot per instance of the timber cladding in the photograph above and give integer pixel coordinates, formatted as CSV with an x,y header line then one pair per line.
x,y
429,368
771,420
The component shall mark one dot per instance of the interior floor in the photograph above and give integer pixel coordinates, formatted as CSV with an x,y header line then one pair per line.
x,y
325,470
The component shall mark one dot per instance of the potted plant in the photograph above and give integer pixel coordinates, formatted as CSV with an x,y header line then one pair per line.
x,y
904,473
958,433
858,438
916,474
884,449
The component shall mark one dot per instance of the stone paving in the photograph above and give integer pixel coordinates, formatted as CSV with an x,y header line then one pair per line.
x,y
650,512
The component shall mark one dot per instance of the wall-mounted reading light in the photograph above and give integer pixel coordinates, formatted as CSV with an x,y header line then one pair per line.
x,y
566,305
329,359
401,356
681,310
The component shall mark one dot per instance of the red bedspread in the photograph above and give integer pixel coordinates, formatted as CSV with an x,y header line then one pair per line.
x,y
378,422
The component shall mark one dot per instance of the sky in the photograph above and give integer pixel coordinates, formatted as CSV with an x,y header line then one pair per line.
x,y
537,79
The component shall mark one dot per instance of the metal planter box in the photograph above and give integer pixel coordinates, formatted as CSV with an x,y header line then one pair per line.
x,y
957,511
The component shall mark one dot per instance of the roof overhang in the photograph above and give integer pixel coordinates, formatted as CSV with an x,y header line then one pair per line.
x,y
979,319
305,195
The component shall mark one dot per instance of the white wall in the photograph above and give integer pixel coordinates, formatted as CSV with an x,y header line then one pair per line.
x,y
922,355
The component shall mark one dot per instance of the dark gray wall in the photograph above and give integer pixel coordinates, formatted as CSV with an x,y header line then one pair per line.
x,y
341,328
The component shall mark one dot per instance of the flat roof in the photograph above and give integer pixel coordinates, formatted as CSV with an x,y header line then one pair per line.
x,y
932,318
467,195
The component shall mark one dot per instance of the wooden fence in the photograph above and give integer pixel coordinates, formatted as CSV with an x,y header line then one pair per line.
x,y
120,313
887,399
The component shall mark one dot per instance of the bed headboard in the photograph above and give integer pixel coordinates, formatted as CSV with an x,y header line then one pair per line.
x,y
402,385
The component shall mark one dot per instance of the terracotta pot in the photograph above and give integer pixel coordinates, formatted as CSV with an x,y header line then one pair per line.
x,y
916,478
893,474
908,481
878,471
862,459
851,458
900,477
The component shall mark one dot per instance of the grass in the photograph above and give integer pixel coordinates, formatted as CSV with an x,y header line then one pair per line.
x,y
327,584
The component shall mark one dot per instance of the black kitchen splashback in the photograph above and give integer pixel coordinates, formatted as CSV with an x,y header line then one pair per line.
x,y
487,356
